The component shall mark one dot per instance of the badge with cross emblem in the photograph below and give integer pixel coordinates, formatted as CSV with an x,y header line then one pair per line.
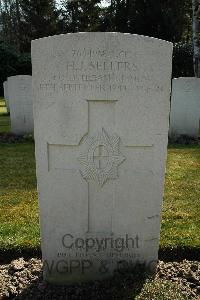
x,y
102,159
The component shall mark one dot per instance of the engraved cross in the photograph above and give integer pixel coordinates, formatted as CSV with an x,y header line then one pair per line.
x,y
101,156
97,158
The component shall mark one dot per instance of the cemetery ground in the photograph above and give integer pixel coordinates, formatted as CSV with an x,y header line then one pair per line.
x,y
19,229
5,120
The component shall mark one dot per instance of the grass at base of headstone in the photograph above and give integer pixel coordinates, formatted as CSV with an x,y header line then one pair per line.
x,y
161,290
181,209
4,117
2,102
3,108
19,222
19,227
4,123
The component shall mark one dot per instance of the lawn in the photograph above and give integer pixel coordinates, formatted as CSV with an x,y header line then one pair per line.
x,y
18,197
4,118
19,209
181,208
3,108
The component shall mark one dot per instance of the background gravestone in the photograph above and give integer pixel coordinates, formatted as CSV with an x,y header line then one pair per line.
x,y
185,107
21,106
101,110
5,89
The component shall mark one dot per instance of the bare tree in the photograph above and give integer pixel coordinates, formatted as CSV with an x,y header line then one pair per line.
x,y
196,36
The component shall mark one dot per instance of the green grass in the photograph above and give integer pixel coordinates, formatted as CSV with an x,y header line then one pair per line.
x,y
4,118
4,123
2,101
18,197
181,209
3,109
19,209
161,290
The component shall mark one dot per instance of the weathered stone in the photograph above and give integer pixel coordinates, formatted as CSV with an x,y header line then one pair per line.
x,y
185,107
101,112
21,106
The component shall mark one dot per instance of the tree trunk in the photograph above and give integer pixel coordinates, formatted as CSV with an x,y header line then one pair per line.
x,y
196,36
18,25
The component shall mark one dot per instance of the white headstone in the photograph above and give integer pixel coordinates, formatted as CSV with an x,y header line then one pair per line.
x,y
101,110
185,107
5,89
21,106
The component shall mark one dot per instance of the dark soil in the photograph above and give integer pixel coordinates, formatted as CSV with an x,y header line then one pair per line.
x,y
13,138
22,279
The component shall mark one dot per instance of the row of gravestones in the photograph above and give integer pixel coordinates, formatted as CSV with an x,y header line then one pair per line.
x,y
101,118
184,115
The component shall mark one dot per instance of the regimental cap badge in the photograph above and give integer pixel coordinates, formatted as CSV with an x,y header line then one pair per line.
x,y
100,162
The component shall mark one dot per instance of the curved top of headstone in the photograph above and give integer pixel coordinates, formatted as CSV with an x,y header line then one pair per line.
x,y
92,35
104,66
18,77
186,78
186,83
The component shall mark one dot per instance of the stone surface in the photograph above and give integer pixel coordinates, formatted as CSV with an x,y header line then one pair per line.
x,y
185,107
5,90
101,111
21,104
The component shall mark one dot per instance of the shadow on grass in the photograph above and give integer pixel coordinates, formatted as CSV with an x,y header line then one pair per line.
x,y
165,254
7,255
4,122
179,253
